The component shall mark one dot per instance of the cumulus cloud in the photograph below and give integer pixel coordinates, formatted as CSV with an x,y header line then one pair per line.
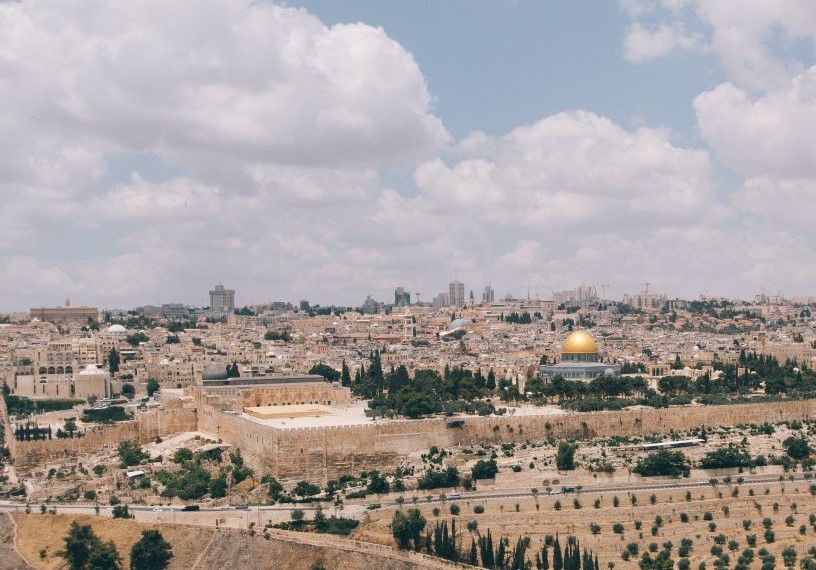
x,y
245,79
289,142
744,34
642,44
769,135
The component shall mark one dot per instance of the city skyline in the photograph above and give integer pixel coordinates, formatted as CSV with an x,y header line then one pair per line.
x,y
514,143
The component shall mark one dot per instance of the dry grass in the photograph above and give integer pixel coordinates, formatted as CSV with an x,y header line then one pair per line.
x,y
537,518
36,532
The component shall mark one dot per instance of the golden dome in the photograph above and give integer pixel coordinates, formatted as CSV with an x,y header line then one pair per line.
x,y
580,342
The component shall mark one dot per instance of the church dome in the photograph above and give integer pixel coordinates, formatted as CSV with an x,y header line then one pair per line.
x,y
579,342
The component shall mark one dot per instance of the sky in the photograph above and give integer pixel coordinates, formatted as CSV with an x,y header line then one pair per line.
x,y
328,150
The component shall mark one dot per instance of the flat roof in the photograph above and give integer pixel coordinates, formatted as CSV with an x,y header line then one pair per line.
x,y
265,380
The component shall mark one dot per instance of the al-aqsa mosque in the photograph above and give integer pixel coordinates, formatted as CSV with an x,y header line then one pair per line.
x,y
579,360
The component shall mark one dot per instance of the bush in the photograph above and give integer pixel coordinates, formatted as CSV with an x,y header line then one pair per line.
x,y
484,469
130,453
478,509
305,489
663,462
437,478
182,454
797,447
724,457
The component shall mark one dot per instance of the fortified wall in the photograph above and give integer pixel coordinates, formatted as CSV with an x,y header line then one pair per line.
x,y
28,454
322,453
147,426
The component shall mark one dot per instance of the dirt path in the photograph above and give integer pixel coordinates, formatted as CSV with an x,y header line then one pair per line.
x,y
9,559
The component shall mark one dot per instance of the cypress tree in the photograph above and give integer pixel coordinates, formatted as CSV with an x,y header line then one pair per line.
x,y
473,558
558,560
542,559
345,376
500,555
491,380
519,555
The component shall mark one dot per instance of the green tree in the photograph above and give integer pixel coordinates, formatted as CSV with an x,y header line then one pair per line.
x,y
327,372
182,454
565,456
484,469
275,488
305,489
104,556
218,487
345,376
128,391
130,453
151,552
152,386
797,447
663,462
113,361
84,551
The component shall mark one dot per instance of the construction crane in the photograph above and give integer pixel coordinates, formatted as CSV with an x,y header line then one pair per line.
x,y
604,286
418,296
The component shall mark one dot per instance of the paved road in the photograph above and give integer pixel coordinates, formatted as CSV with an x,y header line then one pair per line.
x,y
356,509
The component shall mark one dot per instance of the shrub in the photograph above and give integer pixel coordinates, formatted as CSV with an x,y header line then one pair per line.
x,y
663,462
484,469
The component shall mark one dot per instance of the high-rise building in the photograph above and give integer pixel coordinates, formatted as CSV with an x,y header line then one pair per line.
x,y
402,298
441,301
370,306
645,300
581,296
222,299
489,295
456,293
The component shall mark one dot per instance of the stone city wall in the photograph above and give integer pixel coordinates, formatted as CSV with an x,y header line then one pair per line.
x,y
323,453
28,454
165,423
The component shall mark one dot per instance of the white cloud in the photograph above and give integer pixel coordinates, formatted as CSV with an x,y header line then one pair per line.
x,y
284,138
744,34
642,44
247,80
770,135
